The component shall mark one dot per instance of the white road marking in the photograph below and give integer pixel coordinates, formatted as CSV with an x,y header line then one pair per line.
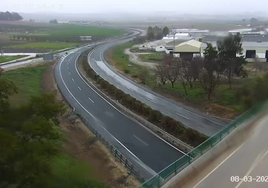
x,y
119,110
218,165
68,68
141,140
253,166
72,79
79,88
151,100
204,117
91,100
138,160
69,73
182,116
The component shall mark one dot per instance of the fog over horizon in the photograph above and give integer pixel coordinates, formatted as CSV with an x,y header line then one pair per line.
x,y
206,7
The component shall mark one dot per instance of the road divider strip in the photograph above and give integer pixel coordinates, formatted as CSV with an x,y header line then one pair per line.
x,y
160,133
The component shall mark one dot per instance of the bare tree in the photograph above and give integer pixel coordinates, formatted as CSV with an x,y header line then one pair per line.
x,y
260,66
161,72
172,63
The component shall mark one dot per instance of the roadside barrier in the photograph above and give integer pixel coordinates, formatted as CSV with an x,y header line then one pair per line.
x,y
177,166
116,153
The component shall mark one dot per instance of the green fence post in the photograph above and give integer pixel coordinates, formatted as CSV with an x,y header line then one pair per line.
x,y
158,182
175,167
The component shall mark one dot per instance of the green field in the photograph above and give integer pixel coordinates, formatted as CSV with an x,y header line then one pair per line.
x,y
153,57
10,58
76,30
63,169
46,45
28,82
122,61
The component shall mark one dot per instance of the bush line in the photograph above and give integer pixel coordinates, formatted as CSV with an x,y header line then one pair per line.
x,y
173,127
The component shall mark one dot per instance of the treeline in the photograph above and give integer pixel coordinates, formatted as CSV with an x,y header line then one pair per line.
x,y
52,38
153,33
31,144
156,33
218,64
173,127
8,16
54,21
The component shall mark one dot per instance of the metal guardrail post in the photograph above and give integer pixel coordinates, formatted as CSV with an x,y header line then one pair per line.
x,y
115,152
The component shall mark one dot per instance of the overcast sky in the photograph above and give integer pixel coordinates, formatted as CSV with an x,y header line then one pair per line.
x,y
92,6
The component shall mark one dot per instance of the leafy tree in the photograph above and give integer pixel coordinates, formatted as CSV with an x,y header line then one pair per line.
x,y
7,16
251,93
54,21
228,48
150,33
165,31
7,88
210,74
46,106
158,33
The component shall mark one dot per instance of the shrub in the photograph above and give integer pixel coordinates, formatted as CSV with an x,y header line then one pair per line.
x,y
193,137
155,116
170,125
119,94
134,76
126,71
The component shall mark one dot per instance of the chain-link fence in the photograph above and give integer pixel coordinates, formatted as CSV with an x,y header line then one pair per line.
x,y
163,176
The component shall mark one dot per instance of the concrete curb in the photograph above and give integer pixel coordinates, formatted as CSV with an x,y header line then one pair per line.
x,y
166,136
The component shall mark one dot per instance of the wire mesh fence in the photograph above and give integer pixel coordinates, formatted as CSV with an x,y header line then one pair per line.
x,y
163,176
116,153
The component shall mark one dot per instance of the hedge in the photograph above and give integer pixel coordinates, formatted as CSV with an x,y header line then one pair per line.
x,y
173,127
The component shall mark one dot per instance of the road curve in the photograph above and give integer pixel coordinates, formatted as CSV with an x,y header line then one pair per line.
x,y
188,116
148,152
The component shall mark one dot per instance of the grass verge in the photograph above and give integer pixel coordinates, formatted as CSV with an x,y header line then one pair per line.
x,y
153,57
67,171
223,104
10,58
46,45
173,127
28,82
121,61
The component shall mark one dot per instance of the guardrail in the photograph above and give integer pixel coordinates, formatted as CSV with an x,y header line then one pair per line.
x,y
116,153
177,166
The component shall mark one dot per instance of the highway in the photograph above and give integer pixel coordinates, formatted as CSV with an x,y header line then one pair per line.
x,y
190,117
148,152
245,166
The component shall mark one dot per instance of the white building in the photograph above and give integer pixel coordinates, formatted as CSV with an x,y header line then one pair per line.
x,y
158,46
251,50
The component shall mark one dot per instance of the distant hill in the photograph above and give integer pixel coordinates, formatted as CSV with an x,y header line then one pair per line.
x,y
8,16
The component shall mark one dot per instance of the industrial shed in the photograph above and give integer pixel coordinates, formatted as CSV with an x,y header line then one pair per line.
x,y
188,49
251,50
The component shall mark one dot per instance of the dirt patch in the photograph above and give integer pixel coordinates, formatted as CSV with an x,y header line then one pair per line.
x,y
82,143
